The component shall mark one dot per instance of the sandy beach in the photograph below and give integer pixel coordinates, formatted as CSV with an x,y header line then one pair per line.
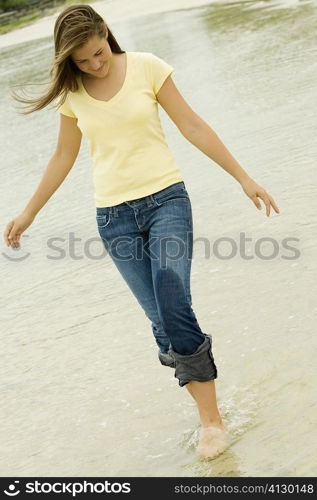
x,y
112,10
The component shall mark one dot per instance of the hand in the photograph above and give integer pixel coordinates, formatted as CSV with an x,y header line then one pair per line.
x,y
255,191
15,228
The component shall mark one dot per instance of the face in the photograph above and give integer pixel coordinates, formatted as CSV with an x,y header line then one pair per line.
x,y
94,58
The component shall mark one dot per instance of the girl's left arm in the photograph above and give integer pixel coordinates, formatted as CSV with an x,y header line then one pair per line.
x,y
201,135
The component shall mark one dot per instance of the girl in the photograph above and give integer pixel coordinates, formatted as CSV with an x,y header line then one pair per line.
x,y
143,210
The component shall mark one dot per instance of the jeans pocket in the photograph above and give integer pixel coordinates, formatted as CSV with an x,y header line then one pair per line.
x,y
179,194
103,220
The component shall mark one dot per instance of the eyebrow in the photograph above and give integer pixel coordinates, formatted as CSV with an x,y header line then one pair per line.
x,y
82,60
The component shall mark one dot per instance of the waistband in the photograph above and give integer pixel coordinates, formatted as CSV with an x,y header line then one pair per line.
x,y
149,200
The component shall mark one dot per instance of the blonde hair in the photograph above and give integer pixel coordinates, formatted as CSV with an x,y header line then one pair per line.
x,y
74,26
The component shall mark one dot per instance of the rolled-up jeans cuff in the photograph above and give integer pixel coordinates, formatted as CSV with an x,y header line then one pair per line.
x,y
166,359
199,366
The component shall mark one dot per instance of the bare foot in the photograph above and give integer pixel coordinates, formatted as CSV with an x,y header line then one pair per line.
x,y
213,440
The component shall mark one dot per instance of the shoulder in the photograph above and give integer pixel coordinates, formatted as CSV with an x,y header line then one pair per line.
x,y
141,62
144,56
138,54
151,62
67,101
141,57
69,94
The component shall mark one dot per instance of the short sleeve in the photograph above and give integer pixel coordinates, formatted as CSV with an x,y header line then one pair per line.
x,y
160,70
66,109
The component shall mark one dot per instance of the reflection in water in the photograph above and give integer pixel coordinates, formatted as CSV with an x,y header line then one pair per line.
x,y
82,387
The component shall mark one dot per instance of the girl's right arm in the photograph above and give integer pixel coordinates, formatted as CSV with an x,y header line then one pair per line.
x,y
60,164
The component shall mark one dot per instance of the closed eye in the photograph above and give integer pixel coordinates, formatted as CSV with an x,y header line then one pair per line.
x,y
84,60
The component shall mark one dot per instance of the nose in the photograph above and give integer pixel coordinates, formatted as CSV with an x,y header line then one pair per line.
x,y
96,65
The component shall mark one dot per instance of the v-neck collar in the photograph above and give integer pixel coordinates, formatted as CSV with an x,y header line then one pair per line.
x,y
117,95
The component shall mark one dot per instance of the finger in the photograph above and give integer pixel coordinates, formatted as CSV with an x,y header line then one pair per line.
x,y
17,238
7,232
12,234
256,202
268,205
277,210
265,197
16,241
271,202
11,240
12,237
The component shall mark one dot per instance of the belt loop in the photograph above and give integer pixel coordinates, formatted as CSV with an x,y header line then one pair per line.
x,y
150,200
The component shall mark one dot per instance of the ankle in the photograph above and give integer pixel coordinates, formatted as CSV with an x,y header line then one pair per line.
x,y
216,422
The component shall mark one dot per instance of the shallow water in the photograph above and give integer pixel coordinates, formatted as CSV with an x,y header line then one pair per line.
x,y
82,390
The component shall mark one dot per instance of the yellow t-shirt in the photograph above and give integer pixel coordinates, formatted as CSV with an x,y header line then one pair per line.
x,y
131,158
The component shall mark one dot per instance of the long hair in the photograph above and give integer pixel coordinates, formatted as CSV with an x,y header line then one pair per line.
x,y
74,26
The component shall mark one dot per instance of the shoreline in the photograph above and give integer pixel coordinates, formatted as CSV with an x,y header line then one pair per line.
x,y
26,14
112,10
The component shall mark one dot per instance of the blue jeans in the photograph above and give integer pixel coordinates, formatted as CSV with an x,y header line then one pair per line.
x,y
150,240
